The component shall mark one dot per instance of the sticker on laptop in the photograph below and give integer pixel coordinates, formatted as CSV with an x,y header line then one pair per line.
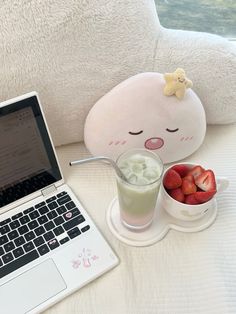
x,y
84,259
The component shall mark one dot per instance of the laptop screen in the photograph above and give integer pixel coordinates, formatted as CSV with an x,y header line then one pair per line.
x,y
27,159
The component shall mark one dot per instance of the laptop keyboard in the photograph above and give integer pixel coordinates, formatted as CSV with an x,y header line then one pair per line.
x,y
38,230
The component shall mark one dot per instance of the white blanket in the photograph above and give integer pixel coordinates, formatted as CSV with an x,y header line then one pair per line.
x,y
182,274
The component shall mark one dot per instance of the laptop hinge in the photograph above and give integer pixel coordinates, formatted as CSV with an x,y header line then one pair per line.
x,y
48,190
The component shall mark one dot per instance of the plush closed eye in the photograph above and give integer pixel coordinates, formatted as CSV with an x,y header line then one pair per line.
x,y
136,133
172,130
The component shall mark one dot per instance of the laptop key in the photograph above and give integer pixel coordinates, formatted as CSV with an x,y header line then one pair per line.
x,y
53,198
42,220
73,222
30,236
24,220
1,263
64,240
23,229
6,221
61,194
53,205
18,252
28,246
75,211
58,230
9,246
49,225
43,249
33,224
28,210
39,204
6,259
19,241
48,236
14,224
74,232
59,220
53,214
13,234
43,210
17,216
61,210
40,230
53,244
5,229
64,199
86,228
39,241
3,240
70,205
34,215
71,214
19,262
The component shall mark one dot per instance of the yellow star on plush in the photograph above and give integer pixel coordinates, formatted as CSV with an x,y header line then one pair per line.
x,y
176,83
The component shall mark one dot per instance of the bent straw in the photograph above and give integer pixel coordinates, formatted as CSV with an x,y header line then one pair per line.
x,y
101,158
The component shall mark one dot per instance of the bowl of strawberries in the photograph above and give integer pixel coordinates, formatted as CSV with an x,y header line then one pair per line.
x,y
188,190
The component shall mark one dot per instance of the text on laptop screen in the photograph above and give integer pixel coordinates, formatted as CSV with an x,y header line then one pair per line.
x,y
27,160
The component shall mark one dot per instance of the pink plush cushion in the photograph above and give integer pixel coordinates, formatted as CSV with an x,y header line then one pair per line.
x,y
136,114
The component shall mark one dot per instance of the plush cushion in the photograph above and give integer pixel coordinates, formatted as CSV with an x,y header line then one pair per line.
x,y
137,114
73,52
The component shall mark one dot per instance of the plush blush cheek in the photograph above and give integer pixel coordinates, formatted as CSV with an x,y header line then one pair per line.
x,y
117,142
186,138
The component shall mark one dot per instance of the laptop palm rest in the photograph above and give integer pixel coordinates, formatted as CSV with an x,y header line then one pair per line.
x,y
31,288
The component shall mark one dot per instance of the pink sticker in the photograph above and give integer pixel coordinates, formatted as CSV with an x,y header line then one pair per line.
x,y
85,259
68,215
86,262
76,264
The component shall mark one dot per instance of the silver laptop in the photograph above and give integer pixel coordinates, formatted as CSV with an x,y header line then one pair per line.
x,y
49,246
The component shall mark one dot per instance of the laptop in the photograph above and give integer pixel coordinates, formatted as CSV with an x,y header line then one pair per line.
x,y
49,246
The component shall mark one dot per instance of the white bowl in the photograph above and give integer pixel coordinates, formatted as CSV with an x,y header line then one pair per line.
x,y
184,211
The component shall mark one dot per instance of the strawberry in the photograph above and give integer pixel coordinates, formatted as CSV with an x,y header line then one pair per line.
x,y
189,178
203,197
181,169
177,194
172,179
206,181
188,187
196,171
191,200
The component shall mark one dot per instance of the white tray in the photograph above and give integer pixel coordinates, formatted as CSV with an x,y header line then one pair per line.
x,y
161,224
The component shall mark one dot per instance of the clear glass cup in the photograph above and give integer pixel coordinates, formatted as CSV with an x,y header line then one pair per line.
x,y
137,197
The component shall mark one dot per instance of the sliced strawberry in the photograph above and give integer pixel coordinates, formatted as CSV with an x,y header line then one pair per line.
x,y
203,197
199,190
191,200
181,169
177,194
206,181
188,187
172,179
196,171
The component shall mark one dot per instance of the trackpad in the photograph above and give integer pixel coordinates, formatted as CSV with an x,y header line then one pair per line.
x,y
31,288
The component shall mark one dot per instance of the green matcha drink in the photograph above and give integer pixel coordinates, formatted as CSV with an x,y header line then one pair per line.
x,y
137,197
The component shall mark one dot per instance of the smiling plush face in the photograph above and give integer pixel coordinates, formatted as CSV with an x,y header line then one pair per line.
x,y
136,114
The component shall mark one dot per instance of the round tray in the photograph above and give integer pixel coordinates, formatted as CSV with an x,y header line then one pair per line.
x,y
161,224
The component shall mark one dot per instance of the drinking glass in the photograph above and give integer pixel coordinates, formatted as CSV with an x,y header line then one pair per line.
x,y
138,195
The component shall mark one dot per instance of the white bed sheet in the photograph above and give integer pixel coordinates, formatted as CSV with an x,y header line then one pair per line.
x,y
183,273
